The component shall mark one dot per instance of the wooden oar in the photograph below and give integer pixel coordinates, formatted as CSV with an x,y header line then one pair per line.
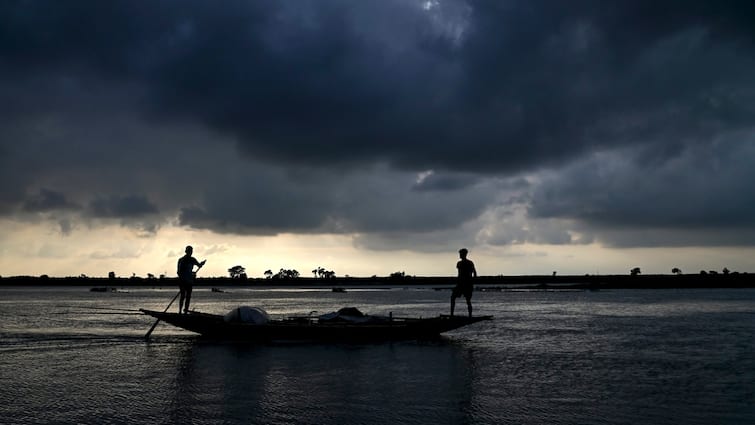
x,y
149,332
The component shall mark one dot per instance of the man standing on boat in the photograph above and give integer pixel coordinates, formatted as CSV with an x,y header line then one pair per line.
x,y
464,285
186,275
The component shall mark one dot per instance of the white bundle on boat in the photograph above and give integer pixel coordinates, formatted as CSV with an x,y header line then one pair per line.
x,y
246,314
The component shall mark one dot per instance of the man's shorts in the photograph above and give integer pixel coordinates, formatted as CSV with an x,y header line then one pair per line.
x,y
462,289
184,285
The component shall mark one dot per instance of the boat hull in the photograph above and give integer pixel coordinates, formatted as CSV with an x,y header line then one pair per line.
x,y
310,329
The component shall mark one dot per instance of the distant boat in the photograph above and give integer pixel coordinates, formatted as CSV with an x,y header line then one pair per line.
x,y
339,289
331,327
217,290
107,289
102,289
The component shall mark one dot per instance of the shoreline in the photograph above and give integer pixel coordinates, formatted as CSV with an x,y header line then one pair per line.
x,y
587,282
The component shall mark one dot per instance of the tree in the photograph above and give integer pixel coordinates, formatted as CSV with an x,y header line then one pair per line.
x,y
268,274
726,271
286,274
677,271
397,275
237,272
111,275
322,273
635,271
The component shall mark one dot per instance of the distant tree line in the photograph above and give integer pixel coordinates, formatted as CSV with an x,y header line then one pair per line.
x,y
677,271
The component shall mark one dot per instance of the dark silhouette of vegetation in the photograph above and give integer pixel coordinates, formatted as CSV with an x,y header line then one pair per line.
x,y
290,277
286,274
237,272
323,273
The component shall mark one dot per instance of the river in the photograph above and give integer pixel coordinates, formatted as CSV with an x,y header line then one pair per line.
x,y
68,355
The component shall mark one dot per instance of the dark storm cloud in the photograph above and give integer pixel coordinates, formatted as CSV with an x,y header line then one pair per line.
x,y
374,200
469,90
509,84
131,206
47,200
706,188
444,182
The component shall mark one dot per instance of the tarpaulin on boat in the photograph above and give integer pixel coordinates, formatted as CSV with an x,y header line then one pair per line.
x,y
246,314
350,315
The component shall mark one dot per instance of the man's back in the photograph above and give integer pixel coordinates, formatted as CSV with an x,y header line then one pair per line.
x,y
186,266
466,268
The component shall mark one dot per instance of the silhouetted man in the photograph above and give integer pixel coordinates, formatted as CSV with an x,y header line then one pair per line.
x,y
464,285
186,275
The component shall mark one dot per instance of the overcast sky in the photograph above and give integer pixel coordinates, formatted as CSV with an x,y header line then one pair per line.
x,y
376,136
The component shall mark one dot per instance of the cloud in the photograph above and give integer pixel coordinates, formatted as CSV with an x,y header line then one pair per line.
x,y
120,253
384,119
128,206
431,181
47,200
515,85
375,199
700,196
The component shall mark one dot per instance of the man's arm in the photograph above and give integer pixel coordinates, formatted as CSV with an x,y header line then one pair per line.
x,y
197,263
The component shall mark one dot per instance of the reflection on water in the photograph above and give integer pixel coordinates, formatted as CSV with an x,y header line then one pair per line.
x,y
383,383
608,357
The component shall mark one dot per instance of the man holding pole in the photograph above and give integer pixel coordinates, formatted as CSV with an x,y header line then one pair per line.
x,y
186,275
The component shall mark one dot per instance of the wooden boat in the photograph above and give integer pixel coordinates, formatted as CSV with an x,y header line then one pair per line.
x,y
312,328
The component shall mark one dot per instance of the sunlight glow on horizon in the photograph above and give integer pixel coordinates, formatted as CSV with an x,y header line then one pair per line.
x,y
36,249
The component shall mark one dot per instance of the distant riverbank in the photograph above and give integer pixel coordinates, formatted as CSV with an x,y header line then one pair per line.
x,y
587,282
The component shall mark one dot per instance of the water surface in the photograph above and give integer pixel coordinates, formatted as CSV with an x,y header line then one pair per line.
x,y
610,357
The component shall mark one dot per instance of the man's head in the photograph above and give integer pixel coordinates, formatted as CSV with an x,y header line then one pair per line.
x,y
189,250
463,253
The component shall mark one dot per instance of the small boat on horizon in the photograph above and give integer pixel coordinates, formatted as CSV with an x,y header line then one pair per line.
x,y
106,289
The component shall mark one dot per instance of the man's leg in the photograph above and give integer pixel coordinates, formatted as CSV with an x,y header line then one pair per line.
x,y
188,299
453,303
469,305
181,299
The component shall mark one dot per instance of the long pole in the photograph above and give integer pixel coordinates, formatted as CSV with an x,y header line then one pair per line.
x,y
149,332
